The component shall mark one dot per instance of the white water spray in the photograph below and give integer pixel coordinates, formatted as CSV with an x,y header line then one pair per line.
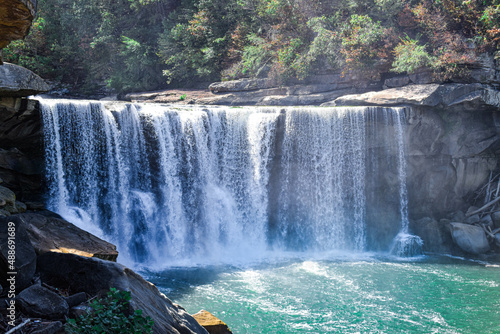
x,y
218,183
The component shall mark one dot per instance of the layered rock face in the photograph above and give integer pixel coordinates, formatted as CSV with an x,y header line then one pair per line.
x,y
21,148
15,19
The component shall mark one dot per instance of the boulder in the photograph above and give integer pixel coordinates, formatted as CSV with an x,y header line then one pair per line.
x,y
52,234
497,239
469,238
211,323
25,256
17,81
40,302
93,276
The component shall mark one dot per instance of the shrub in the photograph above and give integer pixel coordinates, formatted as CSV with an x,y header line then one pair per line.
x,y
409,56
110,315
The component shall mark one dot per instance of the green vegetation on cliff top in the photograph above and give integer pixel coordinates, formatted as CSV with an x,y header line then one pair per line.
x,y
133,45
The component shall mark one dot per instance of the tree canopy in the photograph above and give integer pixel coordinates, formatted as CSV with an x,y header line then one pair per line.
x,y
133,45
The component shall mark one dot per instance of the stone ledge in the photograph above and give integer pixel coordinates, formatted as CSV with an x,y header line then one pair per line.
x,y
17,81
468,96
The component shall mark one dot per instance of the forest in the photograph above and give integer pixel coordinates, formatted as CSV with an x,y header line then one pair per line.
x,y
137,45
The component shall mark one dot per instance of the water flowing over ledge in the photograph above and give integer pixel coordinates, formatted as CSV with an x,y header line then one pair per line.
x,y
164,182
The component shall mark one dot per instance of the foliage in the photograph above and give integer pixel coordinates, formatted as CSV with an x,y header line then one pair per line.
x,y
111,315
133,45
409,56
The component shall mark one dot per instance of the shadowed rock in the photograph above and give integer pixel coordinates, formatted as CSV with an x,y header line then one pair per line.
x,y
41,302
93,276
469,238
25,256
50,234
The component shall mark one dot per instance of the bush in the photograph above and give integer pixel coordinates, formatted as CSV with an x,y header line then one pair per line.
x,y
111,315
409,56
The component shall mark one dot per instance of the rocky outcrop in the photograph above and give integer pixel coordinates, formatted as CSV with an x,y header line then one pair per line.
x,y
21,149
17,81
211,323
39,280
40,302
15,19
453,140
21,261
50,234
456,96
91,275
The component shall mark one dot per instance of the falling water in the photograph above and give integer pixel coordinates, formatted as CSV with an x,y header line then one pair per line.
x,y
165,182
404,244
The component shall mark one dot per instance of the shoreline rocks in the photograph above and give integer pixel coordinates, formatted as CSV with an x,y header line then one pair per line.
x,y
44,271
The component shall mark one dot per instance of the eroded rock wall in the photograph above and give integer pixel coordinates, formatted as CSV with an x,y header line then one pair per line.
x,y
451,153
15,19
21,147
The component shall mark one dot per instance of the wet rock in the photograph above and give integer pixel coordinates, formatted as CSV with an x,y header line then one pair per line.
x,y
93,276
25,256
434,234
211,323
469,238
51,234
41,302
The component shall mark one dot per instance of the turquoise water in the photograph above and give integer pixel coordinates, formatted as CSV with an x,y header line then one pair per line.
x,y
363,295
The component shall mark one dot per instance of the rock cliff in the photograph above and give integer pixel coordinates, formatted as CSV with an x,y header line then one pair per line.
x,y
15,20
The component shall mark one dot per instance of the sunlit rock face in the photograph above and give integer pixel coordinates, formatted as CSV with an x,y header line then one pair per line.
x,y
15,19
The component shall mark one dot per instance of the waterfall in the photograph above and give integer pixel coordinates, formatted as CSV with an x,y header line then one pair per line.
x,y
404,244
168,182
